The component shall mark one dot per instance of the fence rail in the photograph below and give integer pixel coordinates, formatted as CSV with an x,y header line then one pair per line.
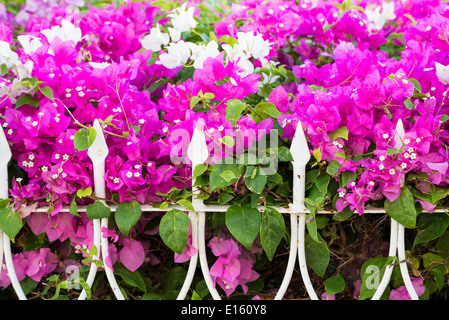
x,y
198,154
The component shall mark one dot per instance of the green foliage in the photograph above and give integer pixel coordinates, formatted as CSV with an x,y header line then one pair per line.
x,y
272,230
10,220
335,284
403,209
127,215
244,223
174,229
317,254
84,138
98,210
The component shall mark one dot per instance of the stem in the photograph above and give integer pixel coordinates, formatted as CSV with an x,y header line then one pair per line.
x,y
14,89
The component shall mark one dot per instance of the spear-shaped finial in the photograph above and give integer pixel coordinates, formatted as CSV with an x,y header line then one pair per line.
x,y
301,156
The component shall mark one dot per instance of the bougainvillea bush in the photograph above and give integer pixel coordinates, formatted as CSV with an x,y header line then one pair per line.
x,y
150,71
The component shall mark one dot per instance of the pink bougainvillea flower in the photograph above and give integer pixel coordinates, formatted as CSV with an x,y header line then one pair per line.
x,y
109,233
401,293
325,296
233,266
132,254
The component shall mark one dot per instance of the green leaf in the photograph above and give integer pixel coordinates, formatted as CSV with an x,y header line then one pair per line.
x,y
4,202
10,222
48,92
186,204
234,110
84,138
244,223
273,112
334,285
392,151
259,113
437,267
255,179
411,18
346,177
403,209
444,118
317,254
134,279
98,210
443,245
416,83
195,296
228,175
284,154
228,39
431,226
174,229
27,99
227,140
225,197
333,167
127,215
436,194
81,193
342,132
73,208
322,182
317,154
194,101
217,182
372,273
86,287
315,88
187,73
311,226
199,170
272,230
4,69
408,104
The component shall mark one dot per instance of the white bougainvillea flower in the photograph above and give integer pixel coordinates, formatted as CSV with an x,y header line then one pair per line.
x,y
175,34
155,39
249,46
29,43
182,19
237,54
388,10
378,18
199,53
7,56
24,70
66,32
233,53
177,54
254,45
442,73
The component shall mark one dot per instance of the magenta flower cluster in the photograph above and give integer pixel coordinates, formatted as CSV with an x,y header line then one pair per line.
x,y
335,69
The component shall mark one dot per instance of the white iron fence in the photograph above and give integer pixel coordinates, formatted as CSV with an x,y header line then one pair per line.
x,y
198,153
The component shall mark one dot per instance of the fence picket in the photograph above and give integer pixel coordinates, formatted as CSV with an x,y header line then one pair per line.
x,y
301,155
397,241
5,157
198,154
98,152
